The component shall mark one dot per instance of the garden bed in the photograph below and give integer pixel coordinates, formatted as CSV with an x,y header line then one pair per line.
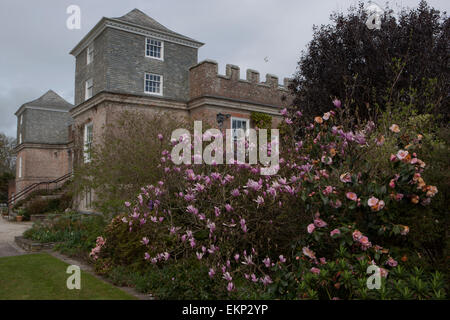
x,y
33,246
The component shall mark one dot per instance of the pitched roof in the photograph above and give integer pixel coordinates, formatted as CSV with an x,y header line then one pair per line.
x,y
139,18
134,20
49,100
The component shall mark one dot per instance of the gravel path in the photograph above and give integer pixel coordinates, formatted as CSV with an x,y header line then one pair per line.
x,y
9,230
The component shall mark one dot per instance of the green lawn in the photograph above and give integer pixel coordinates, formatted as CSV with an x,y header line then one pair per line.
x,y
42,276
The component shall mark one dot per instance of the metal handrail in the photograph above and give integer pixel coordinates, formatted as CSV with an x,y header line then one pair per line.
x,y
33,186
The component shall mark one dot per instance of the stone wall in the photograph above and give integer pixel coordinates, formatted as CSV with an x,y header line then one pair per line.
x,y
120,65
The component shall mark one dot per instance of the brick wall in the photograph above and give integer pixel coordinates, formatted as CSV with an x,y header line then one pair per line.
x,y
205,81
41,163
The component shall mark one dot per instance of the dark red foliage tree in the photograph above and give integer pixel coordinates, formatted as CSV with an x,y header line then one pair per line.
x,y
367,68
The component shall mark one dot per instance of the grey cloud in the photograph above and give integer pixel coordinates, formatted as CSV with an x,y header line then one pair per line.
x,y
35,42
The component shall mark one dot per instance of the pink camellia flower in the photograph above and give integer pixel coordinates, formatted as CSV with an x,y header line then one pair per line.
x,y
282,259
160,136
326,116
211,272
393,158
335,231
228,207
328,190
266,262
127,204
230,286
383,272
402,154
391,262
399,196
236,257
351,196
346,177
372,201
392,184
288,120
199,255
323,260
404,231
311,228
319,223
337,103
315,270
283,112
309,253
336,204
146,256
394,128
356,235
216,211
380,140
365,243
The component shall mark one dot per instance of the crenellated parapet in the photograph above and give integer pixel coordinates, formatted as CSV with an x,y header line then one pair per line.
x,y
205,80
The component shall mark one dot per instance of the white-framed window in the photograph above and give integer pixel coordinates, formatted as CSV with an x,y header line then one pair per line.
x,y
239,123
19,173
154,49
89,88
20,136
21,119
153,84
88,135
90,53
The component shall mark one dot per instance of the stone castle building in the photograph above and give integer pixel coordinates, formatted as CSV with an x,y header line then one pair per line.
x,y
135,63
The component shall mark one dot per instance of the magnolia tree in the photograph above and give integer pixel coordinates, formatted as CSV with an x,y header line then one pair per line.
x,y
313,230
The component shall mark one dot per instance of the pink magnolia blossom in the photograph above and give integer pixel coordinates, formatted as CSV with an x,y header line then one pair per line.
x,y
337,103
311,228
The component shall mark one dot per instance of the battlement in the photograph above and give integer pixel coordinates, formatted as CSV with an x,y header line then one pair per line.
x,y
205,80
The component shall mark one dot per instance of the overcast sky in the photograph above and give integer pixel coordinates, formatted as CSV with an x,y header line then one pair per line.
x,y
265,35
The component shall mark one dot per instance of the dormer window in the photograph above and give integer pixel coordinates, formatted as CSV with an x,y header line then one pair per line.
x,y
153,84
89,88
154,49
90,54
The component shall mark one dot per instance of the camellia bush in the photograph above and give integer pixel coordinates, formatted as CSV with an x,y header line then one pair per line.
x,y
328,225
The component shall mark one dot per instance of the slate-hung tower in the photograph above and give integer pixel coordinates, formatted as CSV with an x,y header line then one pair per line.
x,y
42,149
